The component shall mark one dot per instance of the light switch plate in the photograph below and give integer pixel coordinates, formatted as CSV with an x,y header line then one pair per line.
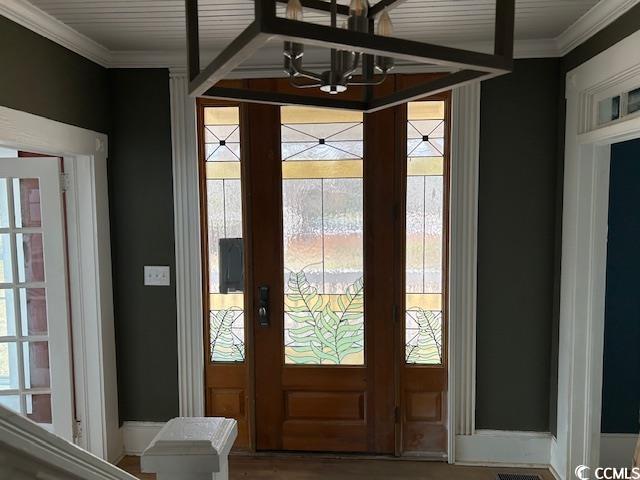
x,y
157,276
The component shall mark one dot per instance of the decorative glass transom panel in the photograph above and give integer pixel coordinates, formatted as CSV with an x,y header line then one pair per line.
x,y
424,232
222,134
25,380
322,201
224,224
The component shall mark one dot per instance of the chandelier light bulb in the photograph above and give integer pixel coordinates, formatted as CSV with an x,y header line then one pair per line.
x,y
294,10
385,26
359,8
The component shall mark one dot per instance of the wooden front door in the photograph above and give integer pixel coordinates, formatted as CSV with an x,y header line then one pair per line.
x,y
311,355
315,353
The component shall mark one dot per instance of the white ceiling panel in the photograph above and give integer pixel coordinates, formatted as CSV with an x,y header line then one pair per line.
x,y
126,25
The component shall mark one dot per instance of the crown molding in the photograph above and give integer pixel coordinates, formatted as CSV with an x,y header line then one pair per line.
x,y
598,17
31,17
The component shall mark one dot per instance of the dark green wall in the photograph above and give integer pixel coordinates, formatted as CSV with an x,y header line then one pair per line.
x,y
41,77
621,369
518,141
141,202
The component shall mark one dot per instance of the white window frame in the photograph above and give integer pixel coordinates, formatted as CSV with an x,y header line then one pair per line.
x,y
85,160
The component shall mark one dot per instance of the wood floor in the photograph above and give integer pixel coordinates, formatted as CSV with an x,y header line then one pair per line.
x,y
292,467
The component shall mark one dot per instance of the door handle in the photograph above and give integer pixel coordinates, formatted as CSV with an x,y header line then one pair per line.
x,y
263,305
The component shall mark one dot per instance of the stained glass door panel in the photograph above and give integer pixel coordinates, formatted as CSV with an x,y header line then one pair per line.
x,y
322,204
35,367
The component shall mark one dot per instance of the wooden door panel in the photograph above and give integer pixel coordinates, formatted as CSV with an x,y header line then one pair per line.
x,y
226,396
316,436
324,406
424,406
424,410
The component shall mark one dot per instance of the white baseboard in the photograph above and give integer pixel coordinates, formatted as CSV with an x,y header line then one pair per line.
x,y
485,447
497,447
137,436
616,449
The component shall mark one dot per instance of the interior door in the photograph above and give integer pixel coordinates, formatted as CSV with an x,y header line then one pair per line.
x,y
35,359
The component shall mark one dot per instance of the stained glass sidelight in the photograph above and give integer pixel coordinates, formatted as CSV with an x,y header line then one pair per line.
x,y
424,232
224,221
322,197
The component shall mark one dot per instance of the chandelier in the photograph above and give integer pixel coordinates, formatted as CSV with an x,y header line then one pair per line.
x,y
343,63
362,51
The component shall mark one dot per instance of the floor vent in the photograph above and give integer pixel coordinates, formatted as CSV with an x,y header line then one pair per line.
x,y
517,476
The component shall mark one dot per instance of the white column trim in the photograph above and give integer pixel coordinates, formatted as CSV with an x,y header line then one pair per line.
x,y
187,230
465,146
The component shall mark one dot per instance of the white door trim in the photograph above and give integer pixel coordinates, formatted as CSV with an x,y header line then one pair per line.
x,y
186,200
465,154
584,243
85,159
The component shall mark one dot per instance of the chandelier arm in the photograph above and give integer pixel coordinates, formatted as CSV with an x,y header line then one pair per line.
x,y
293,83
370,84
301,72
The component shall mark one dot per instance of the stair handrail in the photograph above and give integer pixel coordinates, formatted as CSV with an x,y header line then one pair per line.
x,y
20,437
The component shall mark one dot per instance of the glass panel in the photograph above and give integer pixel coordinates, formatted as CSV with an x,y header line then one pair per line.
x,y
343,249
424,232
4,204
633,101
323,236
33,309
26,196
302,214
608,110
9,366
423,336
6,272
7,313
12,402
222,134
36,364
30,257
38,407
224,223
227,334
